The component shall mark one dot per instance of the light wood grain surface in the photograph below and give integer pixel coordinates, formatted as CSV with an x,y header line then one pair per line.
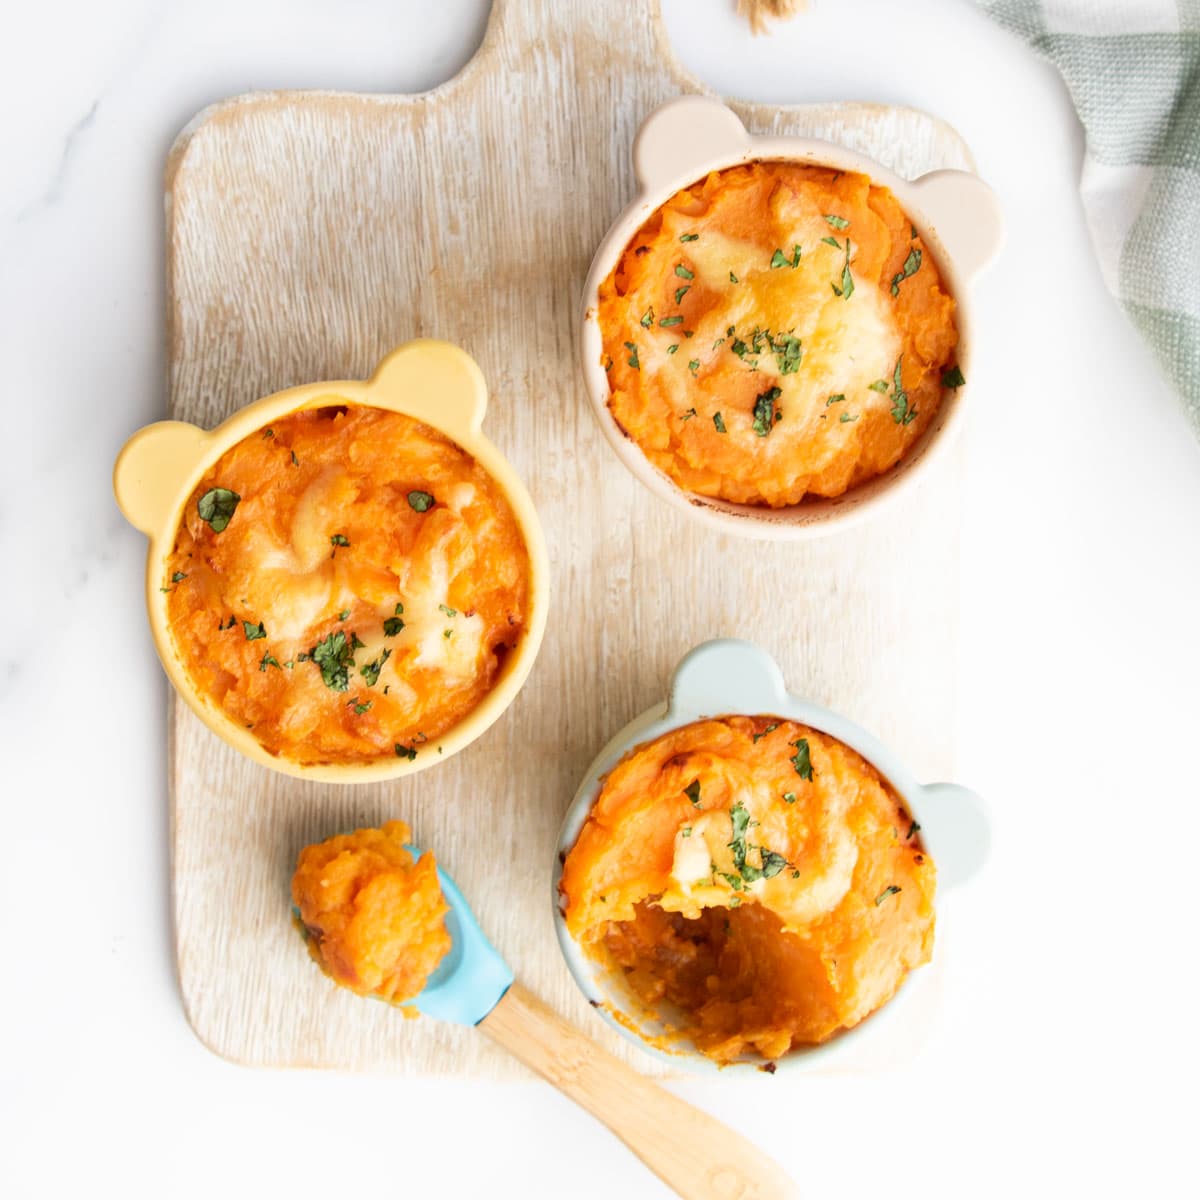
x,y
308,233
695,1154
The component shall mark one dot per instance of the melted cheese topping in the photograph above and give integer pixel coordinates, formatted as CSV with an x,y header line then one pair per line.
x,y
776,331
384,621
757,875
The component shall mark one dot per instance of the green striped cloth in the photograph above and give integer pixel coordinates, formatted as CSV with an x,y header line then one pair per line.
x,y
1133,70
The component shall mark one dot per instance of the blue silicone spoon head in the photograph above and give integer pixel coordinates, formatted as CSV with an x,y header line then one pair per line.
x,y
472,978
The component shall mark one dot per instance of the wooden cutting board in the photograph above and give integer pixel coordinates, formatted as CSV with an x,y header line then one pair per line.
x,y
310,232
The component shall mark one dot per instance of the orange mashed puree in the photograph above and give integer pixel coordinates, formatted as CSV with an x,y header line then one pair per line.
x,y
777,331
758,877
373,917
347,583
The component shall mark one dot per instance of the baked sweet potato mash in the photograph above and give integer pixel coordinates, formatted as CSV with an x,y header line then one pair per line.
x,y
777,331
373,917
346,584
755,875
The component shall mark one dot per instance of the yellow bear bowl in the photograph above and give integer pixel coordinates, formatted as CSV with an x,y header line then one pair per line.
x,y
430,381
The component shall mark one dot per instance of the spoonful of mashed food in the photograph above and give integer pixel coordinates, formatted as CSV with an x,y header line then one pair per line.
x,y
384,920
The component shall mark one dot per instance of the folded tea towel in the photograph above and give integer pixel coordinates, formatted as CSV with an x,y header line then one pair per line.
x,y
1133,70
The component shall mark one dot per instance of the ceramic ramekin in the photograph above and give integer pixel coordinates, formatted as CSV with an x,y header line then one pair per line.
x,y
725,677
434,382
955,212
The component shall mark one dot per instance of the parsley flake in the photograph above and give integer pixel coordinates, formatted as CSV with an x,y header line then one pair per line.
x,y
268,660
912,264
681,292
420,501
789,797
732,277
802,759
370,672
690,237
392,626
254,632
837,222
769,729
765,415
335,656
632,360
178,577
719,423
667,322
838,399
217,507
647,318
687,416
953,378
890,890
409,752
692,792
684,273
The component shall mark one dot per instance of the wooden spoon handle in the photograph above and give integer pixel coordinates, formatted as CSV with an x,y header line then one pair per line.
x,y
687,1149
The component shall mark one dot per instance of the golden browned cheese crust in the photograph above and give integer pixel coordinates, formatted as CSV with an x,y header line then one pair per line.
x,y
776,331
363,594
756,874
372,916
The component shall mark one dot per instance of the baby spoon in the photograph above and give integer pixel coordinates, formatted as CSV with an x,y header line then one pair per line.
x,y
687,1149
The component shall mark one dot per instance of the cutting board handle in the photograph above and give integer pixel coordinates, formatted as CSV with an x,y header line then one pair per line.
x,y
687,1149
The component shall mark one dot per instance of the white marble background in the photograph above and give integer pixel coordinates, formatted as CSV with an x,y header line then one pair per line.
x,y
1068,1033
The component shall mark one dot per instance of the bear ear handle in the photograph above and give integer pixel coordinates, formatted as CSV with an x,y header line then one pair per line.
x,y
964,214
434,382
685,136
151,469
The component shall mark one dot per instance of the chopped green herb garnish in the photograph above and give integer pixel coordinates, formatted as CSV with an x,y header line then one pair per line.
x,y
913,828
450,612
392,626
217,507
672,349
832,241
689,333
953,378
408,752
254,632
684,273
361,708
846,418
802,759
837,222
890,890
338,539
370,672
687,416
732,277
912,264
787,350
778,259
880,385
769,729
633,356
335,656
681,292
268,433
686,831
838,399
648,318
694,365
399,609
901,413
667,322
847,288
692,792
690,237
719,423
295,460
268,660
420,501
764,411
735,902
178,577
769,862
343,614
789,797
447,633
356,643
